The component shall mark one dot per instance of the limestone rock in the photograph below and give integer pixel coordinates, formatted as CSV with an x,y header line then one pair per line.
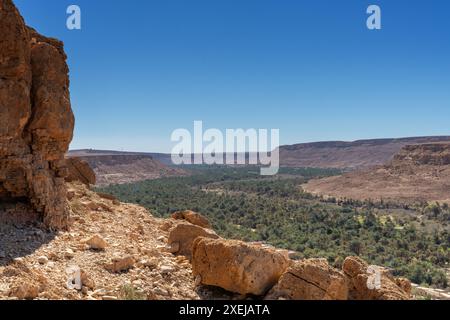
x,y
79,170
36,119
120,264
25,291
182,237
96,243
42,260
87,281
361,288
237,266
405,285
311,279
192,217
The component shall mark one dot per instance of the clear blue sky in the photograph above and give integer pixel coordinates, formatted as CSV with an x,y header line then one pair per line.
x,y
140,69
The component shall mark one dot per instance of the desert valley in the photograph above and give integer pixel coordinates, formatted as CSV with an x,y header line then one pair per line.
x,y
363,220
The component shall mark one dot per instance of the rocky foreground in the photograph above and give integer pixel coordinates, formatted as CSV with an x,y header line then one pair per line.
x,y
123,252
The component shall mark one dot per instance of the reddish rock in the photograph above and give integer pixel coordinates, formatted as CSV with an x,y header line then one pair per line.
x,y
182,237
237,266
79,170
192,217
311,279
36,120
362,284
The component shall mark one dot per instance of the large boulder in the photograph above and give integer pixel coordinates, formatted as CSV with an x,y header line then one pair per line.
x,y
183,235
192,217
79,170
36,119
373,283
238,266
311,279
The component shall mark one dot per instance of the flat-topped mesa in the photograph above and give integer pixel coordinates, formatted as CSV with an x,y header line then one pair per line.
x,y
436,154
36,119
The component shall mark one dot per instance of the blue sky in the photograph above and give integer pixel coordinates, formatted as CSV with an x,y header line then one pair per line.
x,y
140,69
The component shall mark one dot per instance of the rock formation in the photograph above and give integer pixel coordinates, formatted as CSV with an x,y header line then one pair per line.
x,y
79,170
36,120
192,217
183,236
311,279
238,266
418,173
390,288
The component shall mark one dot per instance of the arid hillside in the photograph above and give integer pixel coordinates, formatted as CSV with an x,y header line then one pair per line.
x,y
117,251
348,155
119,168
417,173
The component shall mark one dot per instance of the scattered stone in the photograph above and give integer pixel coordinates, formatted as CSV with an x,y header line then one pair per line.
x,y
161,292
69,254
42,260
121,264
25,291
167,269
87,281
96,242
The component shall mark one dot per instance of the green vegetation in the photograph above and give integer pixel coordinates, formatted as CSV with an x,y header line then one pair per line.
x,y
243,205
129,293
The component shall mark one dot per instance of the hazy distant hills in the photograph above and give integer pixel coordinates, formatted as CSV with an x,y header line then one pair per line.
x,y
418,173
331,154
115,167
352,155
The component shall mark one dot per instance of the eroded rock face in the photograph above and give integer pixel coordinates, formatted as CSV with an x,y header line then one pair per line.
x,y
311,279
36,119
182,238
192,217
237,266
357,271
79,170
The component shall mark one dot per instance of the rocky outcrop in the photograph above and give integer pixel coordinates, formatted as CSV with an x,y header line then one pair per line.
x,y
436,154
120,168
363,282
418,173
311,279
79,170
238,266
192,217
36,120
182,237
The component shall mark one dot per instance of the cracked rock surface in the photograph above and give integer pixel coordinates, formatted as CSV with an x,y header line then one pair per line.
x,y
36,119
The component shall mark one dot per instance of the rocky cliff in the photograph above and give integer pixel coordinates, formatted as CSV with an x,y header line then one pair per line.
x,y
36,120
435,154
418,173
349,155
125,168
